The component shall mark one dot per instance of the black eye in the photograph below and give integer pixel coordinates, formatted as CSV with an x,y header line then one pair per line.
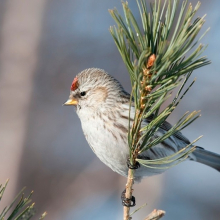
x,y
82,93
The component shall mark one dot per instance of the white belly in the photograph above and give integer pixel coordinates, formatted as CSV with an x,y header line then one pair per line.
x,y
109,148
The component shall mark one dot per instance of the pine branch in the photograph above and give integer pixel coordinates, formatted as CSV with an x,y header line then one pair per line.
x,y
128,194
160,56
21,210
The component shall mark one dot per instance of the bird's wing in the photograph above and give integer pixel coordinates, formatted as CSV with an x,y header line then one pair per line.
x,y
167,147
166,126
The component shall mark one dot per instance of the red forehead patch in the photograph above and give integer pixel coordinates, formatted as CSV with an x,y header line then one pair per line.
x,y
75,84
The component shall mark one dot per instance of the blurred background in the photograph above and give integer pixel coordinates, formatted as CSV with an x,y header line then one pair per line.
x,y
43,45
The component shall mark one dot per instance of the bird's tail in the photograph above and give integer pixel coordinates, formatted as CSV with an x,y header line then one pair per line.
x,y
207,157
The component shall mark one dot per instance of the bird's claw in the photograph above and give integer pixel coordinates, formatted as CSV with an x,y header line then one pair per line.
x,y
133,167
127,202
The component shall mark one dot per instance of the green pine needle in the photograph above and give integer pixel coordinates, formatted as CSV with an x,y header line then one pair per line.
x,y
160,55
18,209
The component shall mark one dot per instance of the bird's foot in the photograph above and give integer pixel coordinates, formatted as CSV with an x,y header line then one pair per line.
x,y
127,202
133,167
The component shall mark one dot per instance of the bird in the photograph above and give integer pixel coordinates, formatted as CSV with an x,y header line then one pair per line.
x,y
102,106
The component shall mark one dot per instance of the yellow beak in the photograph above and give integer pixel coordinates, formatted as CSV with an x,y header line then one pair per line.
x,y
71,101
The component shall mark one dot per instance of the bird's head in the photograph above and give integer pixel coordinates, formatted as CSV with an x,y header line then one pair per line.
x,y
94,89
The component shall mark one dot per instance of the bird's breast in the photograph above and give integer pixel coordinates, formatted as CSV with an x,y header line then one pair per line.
x,y
107,137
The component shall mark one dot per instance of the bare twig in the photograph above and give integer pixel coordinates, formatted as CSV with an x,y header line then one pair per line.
x,y
155,215
128,194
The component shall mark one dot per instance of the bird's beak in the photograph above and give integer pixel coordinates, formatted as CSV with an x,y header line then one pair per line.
x,y
71,101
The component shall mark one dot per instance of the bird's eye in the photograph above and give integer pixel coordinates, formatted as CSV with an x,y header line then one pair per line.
x,y
82,93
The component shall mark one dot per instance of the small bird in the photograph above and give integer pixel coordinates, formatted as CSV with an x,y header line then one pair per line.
x,y
103,108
